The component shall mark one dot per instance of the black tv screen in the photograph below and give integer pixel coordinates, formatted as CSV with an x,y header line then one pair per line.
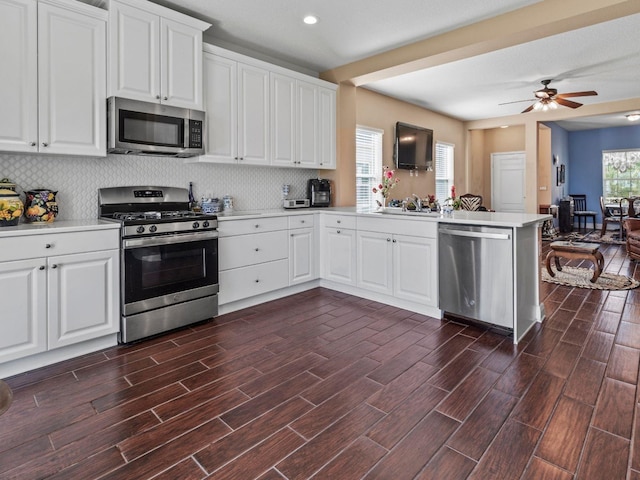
x,y
413,147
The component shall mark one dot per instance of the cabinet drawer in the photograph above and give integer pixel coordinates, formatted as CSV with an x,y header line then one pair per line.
x,y
340,221
301,221
254,225
243,250
245,282
422,227
34,246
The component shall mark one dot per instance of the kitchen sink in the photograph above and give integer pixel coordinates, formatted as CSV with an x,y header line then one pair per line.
x,y
409,213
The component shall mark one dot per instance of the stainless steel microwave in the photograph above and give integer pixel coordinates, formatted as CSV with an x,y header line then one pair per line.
x,y
145,128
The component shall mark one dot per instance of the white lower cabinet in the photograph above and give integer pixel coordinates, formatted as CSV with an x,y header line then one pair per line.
x,y
54,297
253,257
397,264
302,250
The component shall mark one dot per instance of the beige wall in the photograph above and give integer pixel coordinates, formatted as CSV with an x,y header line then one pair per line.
x,y
379,111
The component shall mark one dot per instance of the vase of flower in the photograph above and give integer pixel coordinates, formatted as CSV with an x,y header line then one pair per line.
x,y
388,182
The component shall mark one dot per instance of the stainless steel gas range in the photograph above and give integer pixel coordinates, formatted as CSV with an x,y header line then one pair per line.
x,y
169,259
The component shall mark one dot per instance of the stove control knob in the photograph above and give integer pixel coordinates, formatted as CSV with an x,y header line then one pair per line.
x,y
153,229
140,229
205,224
196,225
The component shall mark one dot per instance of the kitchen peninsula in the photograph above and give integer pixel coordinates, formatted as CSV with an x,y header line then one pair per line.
x,y
392,259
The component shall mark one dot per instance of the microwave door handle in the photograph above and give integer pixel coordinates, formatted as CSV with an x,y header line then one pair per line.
x,y
141,242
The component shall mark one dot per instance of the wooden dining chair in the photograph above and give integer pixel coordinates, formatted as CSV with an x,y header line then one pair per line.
x,y
632,205
470,202
610,217
580,211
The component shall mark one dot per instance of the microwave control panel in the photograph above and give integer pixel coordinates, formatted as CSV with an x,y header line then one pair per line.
x,y
195,133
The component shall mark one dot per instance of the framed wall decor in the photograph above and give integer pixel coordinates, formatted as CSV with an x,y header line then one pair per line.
x,y
560,175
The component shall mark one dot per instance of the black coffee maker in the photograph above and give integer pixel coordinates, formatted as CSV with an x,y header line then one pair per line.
x,y
319,192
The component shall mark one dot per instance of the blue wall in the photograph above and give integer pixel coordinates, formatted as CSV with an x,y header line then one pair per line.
x,y
584,167
560,151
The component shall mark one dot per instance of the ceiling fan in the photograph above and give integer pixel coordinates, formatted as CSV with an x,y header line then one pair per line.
x,y
549,98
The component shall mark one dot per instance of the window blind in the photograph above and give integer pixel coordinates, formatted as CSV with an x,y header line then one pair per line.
x,y
444,170
368,166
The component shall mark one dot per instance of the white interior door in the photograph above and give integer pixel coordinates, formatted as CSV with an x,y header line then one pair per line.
x,y
507,182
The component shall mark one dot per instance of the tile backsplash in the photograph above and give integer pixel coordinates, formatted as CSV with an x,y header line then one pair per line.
x,y
77,179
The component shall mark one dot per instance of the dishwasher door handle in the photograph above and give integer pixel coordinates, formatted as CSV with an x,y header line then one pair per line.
x,y
466,233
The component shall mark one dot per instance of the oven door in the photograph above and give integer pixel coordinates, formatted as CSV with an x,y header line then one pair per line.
x,y
168,269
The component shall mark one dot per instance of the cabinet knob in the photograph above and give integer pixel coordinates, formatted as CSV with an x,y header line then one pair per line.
x,y
33,144
257,225
257,249
45,144
48,245
388,239
394,241
54,266
338,231
338,221
166,98
157,97
257,280
41,267
301,221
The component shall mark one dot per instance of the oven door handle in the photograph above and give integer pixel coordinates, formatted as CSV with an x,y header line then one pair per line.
x,y
128,243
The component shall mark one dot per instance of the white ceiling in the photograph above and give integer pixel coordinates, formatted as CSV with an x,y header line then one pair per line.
x,y
604,57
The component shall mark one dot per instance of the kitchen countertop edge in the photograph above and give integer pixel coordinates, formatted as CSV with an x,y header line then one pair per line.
x,y
60,226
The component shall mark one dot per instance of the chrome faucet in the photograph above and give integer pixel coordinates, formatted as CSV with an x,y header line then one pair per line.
x,y
417,201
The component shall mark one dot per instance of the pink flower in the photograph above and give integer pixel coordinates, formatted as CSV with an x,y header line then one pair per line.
x,y
375,190
453,191
380,187
389,174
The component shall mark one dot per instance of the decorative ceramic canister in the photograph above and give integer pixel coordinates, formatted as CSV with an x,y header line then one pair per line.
x,y
11,208
40,205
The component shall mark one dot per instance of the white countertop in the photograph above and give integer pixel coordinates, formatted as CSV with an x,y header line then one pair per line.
x,y
462,217
58,226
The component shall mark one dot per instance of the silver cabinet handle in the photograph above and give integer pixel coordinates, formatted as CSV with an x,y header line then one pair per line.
x,y
48,245
338,231
257,225
388,239
257,280
54,266
338,221
257,249
301,221
157,97
45,144
394,241
166,98
33,144
42,267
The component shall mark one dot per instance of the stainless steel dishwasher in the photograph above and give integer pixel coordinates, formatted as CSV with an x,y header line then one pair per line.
x,y
476,272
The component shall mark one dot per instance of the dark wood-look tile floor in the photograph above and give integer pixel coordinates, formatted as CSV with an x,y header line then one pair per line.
x,y
325,385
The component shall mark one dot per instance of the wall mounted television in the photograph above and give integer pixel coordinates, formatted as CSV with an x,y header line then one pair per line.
x,y
413,147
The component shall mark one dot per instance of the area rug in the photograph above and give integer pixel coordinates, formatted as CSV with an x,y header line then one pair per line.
x,y
580,276
593,236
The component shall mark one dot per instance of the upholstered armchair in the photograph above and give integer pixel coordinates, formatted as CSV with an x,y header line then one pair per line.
x,y
632,227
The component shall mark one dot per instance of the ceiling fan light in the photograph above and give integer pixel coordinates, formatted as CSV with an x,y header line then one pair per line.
x,y
537,105
553,104
633,117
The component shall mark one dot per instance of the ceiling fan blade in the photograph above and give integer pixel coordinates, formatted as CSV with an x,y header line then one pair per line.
x,y
567,103
528,109
590,93
518,101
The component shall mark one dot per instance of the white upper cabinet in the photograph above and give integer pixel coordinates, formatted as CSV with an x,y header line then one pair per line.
x,y
237,106
262,114
53,86
155,54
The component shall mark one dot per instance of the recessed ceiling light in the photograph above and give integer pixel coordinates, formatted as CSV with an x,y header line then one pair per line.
x,y
633,117
310,19
504,126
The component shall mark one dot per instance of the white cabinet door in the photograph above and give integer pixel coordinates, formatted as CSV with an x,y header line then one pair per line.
x,y
23,294
72,82
415,261
375,262
221,106
326,128
83,296
301,256
339,255
19,77
253,115
134,58
180,65
306,125
154,59
283,120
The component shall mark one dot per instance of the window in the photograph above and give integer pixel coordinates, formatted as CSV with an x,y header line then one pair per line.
x,y
620,174
368,166
444,171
